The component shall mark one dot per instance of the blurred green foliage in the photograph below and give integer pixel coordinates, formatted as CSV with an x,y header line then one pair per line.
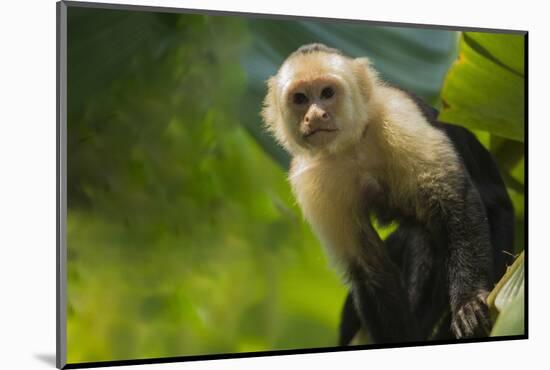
x,y
183,235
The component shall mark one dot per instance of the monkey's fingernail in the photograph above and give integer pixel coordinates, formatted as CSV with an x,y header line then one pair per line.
x,y
456,330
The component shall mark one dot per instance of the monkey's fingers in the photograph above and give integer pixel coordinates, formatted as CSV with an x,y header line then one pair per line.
x,y
455,328
466,321
483,317
460,325
472,319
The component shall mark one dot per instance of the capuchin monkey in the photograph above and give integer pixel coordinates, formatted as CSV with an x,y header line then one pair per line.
x,y
364,149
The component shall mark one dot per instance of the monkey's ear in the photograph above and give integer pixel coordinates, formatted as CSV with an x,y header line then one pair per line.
x,y
366,76
271,115
270,111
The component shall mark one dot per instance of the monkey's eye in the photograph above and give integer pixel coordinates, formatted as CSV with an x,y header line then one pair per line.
x,y
299,98
327,93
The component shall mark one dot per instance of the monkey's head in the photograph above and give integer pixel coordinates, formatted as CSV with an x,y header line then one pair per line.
x,y
318,100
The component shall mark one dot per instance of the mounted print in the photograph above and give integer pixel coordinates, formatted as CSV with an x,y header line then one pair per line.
x,y
235,184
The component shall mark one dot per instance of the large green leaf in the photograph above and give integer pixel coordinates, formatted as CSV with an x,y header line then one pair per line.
x,y
484,88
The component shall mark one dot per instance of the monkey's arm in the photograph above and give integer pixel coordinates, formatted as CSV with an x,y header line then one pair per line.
x,y
350,322
396,245
469,261
379,294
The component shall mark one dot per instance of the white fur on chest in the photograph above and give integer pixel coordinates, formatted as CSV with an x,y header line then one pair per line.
x,y
331,199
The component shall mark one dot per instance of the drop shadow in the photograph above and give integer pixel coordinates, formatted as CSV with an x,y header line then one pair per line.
x,y
47,358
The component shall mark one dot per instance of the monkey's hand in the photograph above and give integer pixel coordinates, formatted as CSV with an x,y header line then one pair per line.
x,y
471,319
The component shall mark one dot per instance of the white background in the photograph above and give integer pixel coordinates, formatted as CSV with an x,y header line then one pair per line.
x,y
27,182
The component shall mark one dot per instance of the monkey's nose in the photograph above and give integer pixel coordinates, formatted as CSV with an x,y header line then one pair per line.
x,y
321,116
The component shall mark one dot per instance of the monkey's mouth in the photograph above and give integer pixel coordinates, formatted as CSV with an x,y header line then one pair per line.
x,y
313,132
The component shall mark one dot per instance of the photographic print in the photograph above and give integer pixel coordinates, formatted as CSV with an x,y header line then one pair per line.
x,y
239,184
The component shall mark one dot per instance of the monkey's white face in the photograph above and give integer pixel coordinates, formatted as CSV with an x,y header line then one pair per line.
x,y
315,103
313,108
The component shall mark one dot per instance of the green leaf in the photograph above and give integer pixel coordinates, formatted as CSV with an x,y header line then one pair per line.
x,y
505,48
507,300
484,88
511,320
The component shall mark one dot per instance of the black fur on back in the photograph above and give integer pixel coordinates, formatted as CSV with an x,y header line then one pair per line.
x,y
484,173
